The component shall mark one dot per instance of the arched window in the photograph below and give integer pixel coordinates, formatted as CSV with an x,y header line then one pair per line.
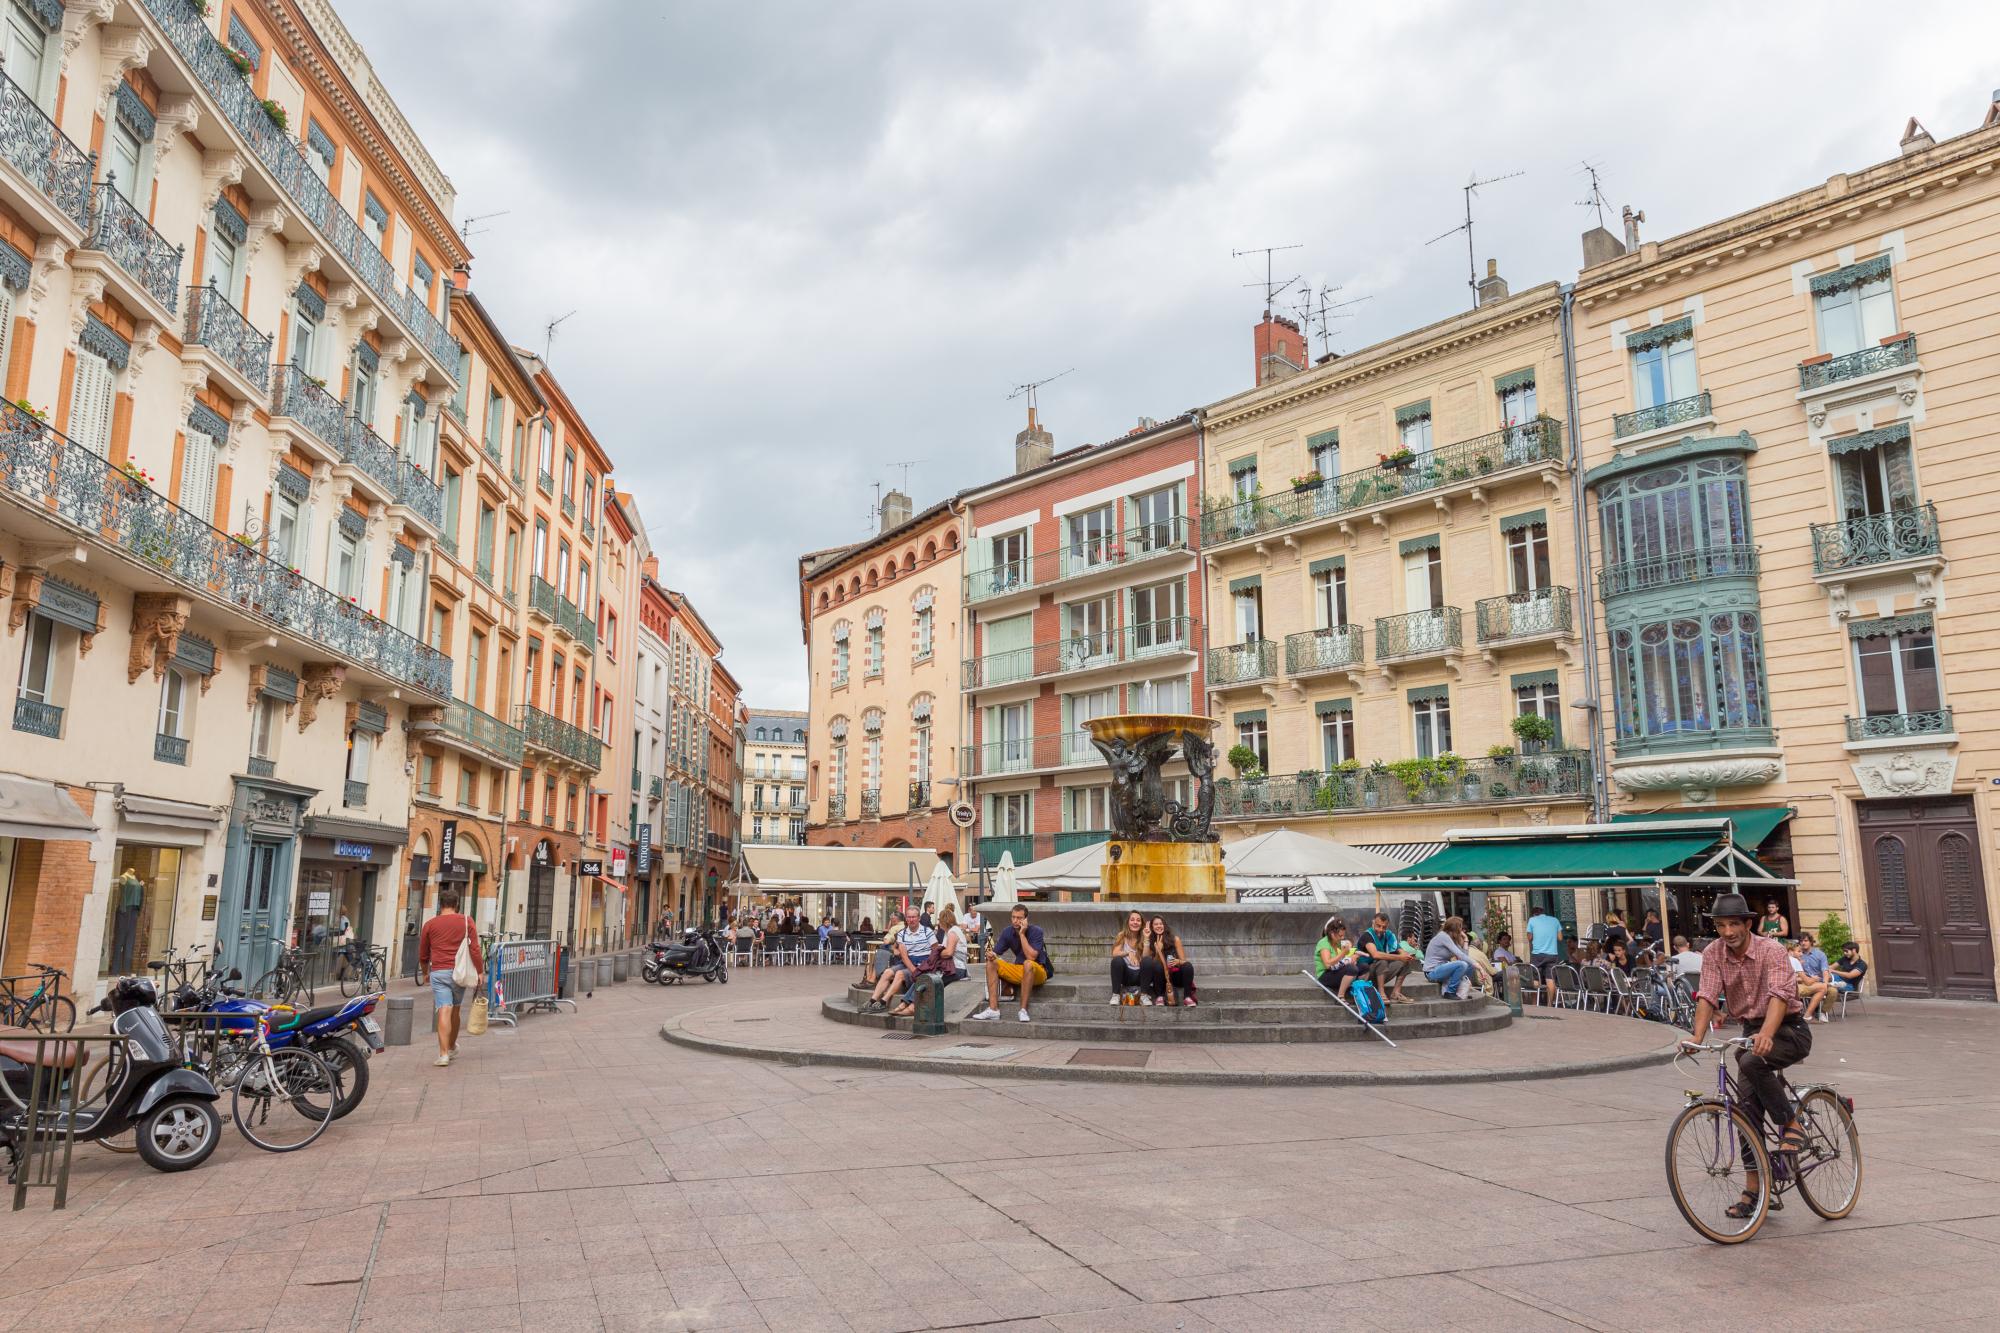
x,y
951,541
822,599
930,552
854,590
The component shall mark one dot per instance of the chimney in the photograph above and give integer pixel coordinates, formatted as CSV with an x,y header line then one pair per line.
x,y
1632,221
1992,112
1493,287
1600,247
650,567
1033,447
1281,349
1916,138
896,510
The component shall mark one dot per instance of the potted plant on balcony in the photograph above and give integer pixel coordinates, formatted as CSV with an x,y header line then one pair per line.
x,y
137,478
275,112
244,65
1484,462
1311,481
30,419
1501,755
1397,461
1244,760
1532,729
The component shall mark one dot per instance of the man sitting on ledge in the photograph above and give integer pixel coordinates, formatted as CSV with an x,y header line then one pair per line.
x,y
1030,968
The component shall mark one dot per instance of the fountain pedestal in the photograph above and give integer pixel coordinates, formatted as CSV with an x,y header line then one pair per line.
x,y
1160,851
1162,872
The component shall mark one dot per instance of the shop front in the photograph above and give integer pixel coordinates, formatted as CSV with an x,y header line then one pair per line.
x,y
346,869
259,871
478,887
158,898
42,827
543,869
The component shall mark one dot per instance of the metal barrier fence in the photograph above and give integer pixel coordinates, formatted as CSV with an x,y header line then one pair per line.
x,y
524,981
41,1120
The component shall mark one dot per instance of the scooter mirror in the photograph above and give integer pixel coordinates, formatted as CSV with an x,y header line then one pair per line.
x,y
235,974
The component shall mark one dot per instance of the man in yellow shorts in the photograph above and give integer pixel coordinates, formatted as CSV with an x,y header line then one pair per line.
x,y
1029,969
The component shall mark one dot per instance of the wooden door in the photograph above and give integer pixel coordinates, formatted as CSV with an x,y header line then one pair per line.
x,y
1927,899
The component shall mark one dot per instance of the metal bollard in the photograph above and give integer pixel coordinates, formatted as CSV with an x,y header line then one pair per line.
x,y
397,1019
928,998
621,967
1511,981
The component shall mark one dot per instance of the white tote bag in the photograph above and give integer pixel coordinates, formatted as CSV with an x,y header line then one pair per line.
x,y
463,973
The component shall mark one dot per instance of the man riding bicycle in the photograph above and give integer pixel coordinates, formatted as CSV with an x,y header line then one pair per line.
x,y
1749,977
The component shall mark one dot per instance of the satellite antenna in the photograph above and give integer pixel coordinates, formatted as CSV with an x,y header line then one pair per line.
x,y
465,227
1472,263
1596,200
1272,288
1029,390
905,488
549,334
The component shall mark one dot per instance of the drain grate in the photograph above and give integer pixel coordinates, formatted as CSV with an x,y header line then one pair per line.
x,y
899,1036
749,1020
1111,1059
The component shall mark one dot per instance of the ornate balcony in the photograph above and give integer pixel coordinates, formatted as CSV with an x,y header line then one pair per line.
x,y
1437,632
1934,724
585,633
568,506
1028,754
417,492
69,485
215,324
483,571
871,802
1241,663
1081,652
1901,351
541,598
38,719
306,401
1660,416
50,159
188,30
1875,539
1525,615
121,231
565,619
587,530
836,806
170,749
261,768
354,795
657,788
1466,463
373,456
1317,651
547,483
470,726
1077,559
556,736
1563,774
1708,562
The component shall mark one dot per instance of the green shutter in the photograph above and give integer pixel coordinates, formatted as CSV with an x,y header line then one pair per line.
x,y
1248,463
1531,680
1889,626
1852,276
1423,694
1413,411
1660,335
1527,520
1410,544
1254,715
1331,562
1321,440
1245,585
1869,439
1514,379
1325,706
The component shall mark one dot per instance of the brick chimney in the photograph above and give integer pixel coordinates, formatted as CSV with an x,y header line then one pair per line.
x,y
651,568
896,510
1492,287
1281,349
1033,447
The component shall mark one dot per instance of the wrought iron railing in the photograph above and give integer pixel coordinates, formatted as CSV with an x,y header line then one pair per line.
x,y
373,455
170,749
541,596
871,802
551,733
483,571
261,768
1872,539
1022,845
489,733
218,75
1419,633
1708,562
1818,374
493,453
568,506
1075,559
1468,461
50,159
416,490
67,482
587,530
546,482
1408,782
1320,650
1081,652
1661,415
215,324
1238,663
512,597
448,544
354,795
121,231
1027,754
635,779
657,788
37,718
520,482
565,615
1520,615
1896,726
306,401
836,805
585,633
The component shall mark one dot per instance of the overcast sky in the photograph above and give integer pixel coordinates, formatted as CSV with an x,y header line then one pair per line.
x,y
807,241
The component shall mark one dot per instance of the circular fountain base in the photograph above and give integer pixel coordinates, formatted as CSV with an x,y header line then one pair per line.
x,y
1163,872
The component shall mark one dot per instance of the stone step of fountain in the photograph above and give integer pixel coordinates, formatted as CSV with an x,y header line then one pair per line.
x,y
1329,1025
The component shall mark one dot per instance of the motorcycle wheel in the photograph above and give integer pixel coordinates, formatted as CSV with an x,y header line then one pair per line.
x,y
179,1134
350,1072
722,973
649,973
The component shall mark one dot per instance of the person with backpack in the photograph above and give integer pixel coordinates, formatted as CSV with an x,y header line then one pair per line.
x,y
1336,962
437,950
1387,962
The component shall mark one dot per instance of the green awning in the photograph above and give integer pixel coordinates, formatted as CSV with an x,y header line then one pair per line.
x,y
1752,826
1543,858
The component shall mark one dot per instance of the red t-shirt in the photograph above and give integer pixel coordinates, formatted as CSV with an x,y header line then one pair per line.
x,y
437,946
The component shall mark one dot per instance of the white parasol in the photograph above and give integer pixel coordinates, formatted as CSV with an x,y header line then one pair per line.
x,y
941,891
1004,892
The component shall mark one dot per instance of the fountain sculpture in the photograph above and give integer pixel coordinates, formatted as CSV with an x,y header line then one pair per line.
x,y
1160,850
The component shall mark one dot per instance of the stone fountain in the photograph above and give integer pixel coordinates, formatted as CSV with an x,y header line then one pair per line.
x,y
1160,850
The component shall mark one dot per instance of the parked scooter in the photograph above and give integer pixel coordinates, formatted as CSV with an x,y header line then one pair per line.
x,y
343,1035
149,1090
699,954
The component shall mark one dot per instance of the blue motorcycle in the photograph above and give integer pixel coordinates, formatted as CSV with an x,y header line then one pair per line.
x,y
223,1018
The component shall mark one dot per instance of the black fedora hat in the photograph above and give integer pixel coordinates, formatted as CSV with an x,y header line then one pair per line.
x,y
1731,904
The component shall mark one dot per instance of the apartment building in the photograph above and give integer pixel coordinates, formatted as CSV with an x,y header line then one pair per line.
x,y
692,709
622,553
725,782
1389,545
881,625
775,769
1784,417
1082,598
222,263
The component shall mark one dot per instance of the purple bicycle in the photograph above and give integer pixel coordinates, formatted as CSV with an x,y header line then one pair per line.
x,y
1715,1150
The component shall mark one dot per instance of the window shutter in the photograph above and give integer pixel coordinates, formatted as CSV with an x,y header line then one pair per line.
x,y
198,476
332,567
361,574
302,539
90,403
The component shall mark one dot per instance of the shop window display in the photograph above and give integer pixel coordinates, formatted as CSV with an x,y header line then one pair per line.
x,y
139,918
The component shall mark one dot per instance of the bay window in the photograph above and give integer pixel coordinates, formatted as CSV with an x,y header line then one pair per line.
x,y
1676,524
1688,674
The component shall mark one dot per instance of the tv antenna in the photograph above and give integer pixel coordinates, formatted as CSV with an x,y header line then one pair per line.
x,y
1030,389
549,334
905,488
1272,288
1314,308
875,510
1596,200
465,227
1471,261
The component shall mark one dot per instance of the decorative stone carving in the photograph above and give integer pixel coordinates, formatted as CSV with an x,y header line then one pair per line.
x,y
79,19
86,289
1910,771
219,167
260,674
119,52
1697,776
178,116
144,339
51,253
318,682
300,260
157,622
263,224
26,591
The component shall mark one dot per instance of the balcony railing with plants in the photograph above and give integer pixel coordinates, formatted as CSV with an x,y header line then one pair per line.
x,y
871,802
1874,539
68,483
1419,633
836,805
221,78
1898,351
50,159
1708,562
1081,652
121,231
1075,559
1318,650
1398,477
215,324
920,796
416,490
170,749
1449,780
1661,415
551,733
1521,615
489,733
37,718
1027,754
1240,663
1901,726
361,447
306,401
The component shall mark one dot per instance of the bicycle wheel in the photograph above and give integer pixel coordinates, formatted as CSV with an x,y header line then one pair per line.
x,y
1706,1169
54,1013
284,1100
1830,1163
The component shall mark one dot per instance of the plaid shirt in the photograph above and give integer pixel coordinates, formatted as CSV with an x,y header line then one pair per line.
x,y
1748,983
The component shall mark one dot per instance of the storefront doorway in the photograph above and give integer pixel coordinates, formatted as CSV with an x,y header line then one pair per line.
x,y
541,891
1926,899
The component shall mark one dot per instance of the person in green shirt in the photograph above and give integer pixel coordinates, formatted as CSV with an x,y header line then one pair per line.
x,y
1336,960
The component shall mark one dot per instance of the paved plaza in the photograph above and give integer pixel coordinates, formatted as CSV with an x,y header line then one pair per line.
x,y
581,1173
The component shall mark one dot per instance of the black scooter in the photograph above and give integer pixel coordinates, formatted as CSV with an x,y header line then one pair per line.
x,y
697,955
169,1105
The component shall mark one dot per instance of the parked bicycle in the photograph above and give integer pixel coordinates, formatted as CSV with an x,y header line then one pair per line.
x,y
284,1098
366,970
1715,1147
46,1008
287,982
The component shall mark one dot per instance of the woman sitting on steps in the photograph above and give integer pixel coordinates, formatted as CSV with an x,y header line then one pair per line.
x,y
1166,966
1126,952
1336,963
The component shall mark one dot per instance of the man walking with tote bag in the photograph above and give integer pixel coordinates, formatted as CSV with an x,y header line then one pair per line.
x,y
438,948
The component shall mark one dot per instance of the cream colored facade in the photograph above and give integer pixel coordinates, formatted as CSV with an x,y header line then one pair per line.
x,y
774,768
1826,358
1354,619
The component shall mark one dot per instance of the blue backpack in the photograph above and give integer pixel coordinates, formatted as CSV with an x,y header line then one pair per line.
x,y
1368,1000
